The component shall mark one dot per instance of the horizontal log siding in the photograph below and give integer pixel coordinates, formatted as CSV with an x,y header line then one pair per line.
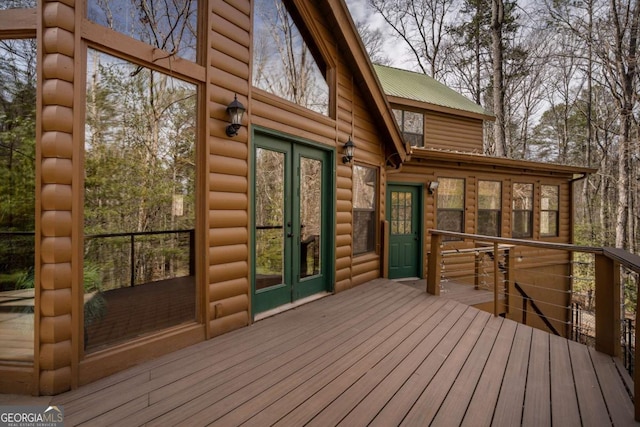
x,y
228,181
422,172
445,131
227,184
355,120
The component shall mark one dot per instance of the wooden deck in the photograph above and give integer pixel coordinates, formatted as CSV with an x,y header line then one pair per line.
x,y
461,292
16,325
381,354
129,312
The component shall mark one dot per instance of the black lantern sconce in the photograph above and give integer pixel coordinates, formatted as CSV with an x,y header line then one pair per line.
x,y
235,110
349,150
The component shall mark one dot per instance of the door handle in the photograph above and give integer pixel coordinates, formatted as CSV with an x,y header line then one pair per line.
x,y
289,234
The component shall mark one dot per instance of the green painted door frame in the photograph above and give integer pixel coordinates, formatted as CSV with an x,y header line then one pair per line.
x,y
404,213
293,213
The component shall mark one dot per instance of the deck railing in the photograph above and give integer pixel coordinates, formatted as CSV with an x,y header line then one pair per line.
x,y
130,241
607,263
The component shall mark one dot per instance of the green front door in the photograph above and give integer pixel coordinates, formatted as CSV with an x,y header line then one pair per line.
x,y
292,212
403,213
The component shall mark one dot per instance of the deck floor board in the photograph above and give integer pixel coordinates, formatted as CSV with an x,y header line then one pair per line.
x,y
379,354
537,406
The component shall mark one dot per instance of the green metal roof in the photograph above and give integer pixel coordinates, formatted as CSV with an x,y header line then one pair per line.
x,y
420,87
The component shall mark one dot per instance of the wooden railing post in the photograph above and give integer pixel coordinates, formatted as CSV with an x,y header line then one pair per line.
x,y
509,276
607,305
496,277
433,265
636,369
477,266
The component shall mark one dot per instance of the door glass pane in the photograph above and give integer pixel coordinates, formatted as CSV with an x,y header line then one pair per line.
x,y
270,217
310,216
401,220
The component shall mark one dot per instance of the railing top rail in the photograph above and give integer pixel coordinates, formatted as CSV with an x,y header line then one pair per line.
x,y
520,242
476,250
629,260
137,233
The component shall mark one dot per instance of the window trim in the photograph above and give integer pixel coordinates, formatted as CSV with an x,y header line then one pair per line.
x,y
374,210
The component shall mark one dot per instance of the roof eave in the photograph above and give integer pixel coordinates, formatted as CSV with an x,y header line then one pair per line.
x,y
441,156
439,108
364,68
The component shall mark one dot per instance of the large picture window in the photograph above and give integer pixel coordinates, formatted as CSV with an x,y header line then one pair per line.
x,y
412,126
549,205
285,63
167,25
17,4
365,185
489,208
451,204
139,201
522,224
17,198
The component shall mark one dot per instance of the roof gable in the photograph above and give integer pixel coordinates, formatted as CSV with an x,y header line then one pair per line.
x,y
424,89
364,73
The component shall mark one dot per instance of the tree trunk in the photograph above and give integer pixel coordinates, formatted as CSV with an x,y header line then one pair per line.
x,y
497,19
626,68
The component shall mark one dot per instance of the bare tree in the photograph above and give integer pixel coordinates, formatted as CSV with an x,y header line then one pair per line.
x,y
618,52
373,40
422,26
497,50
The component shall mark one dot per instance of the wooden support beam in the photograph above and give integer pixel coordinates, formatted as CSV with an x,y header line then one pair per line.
x,y
433,272
607,273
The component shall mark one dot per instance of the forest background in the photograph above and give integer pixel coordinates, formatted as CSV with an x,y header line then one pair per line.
x,y
561,78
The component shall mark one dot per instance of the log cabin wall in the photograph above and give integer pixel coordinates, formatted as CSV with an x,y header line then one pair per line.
x,y
531,261
55,355
448,132
223,228
227,188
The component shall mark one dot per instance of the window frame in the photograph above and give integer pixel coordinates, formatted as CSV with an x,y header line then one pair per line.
x,y
461,210
107,41
321,58
494,211
401,125
547,211
515,211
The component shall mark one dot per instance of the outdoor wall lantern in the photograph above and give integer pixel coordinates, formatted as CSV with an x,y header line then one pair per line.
x,y
349,150
235,110
433,186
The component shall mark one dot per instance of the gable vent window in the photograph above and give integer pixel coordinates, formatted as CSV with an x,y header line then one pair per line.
x,y
412,126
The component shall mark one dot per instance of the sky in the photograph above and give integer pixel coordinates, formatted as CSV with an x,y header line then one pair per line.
x,y
361,12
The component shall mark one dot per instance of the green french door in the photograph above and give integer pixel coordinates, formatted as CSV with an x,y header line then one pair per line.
x,y
292,210
405,240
